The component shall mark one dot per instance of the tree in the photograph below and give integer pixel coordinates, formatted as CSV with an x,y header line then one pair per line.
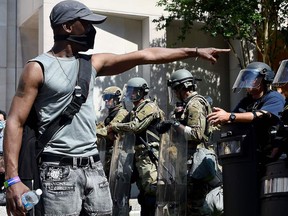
x,y
261,24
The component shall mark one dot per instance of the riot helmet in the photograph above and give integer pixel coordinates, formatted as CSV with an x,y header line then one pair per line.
x,y
112,96
181,78
135,89
252,76
281,77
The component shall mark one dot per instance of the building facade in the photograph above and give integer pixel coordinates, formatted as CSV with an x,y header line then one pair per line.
x,y
25,32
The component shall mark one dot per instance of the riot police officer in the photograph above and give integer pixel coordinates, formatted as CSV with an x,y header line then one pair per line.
x,y
189,120
261,106
276,172
116,113
281,139
245,144
142,121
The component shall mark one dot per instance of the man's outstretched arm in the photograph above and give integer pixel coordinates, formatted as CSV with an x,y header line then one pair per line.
x,y
107,64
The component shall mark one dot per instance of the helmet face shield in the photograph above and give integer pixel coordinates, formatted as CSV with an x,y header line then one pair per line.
x,y
172,93
281,77
133,94
247,79
171,96
135,89
178,80
111,100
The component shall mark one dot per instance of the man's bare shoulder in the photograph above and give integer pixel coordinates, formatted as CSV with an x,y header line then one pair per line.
x,y
32,74
33,67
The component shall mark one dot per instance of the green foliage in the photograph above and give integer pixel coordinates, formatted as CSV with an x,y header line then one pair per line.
x,y
259,23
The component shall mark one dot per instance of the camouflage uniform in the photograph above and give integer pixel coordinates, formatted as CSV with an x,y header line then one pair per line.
x,y
194,116
116,114
197,132
142,121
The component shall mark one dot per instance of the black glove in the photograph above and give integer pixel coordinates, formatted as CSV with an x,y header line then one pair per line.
x,y
164,126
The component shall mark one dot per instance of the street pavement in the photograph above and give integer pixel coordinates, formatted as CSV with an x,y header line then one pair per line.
x,y
3,211
135,207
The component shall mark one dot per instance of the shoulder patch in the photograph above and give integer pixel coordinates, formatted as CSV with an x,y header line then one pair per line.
x,y
147,110
199,101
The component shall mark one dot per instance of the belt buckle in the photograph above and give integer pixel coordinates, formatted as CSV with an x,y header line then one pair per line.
x,y
83,161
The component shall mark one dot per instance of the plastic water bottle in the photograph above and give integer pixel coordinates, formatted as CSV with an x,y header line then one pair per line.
x,y
31,198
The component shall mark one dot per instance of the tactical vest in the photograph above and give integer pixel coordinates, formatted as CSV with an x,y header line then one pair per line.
x,y
112,115
208,129
150,134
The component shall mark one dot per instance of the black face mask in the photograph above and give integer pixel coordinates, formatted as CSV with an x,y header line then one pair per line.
x,y
86,40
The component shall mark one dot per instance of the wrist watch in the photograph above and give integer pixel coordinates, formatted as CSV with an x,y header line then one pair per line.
x,y
176,124
232,117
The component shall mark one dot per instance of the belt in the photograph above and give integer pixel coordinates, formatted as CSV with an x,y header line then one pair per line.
x,y
66,160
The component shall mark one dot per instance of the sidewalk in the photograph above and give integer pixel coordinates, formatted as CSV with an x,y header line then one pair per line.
x,y
135,211
3,211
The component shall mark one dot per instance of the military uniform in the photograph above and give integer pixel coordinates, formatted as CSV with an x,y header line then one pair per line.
x,y
194,116
116,114
142,121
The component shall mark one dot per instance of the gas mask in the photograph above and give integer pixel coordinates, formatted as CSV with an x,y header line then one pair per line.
x,y
86,40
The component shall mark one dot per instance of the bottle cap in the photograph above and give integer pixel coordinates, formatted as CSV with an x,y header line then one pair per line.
x,y
38,192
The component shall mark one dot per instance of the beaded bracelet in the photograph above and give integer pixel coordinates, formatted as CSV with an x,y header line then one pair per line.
x,y
12,181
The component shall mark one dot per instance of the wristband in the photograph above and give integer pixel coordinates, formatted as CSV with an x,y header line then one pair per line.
x,y
12,181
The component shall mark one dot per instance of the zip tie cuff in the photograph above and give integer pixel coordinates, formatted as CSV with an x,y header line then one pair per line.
x,y
12,181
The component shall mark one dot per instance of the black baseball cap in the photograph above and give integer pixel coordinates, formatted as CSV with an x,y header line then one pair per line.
x,y
69,10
